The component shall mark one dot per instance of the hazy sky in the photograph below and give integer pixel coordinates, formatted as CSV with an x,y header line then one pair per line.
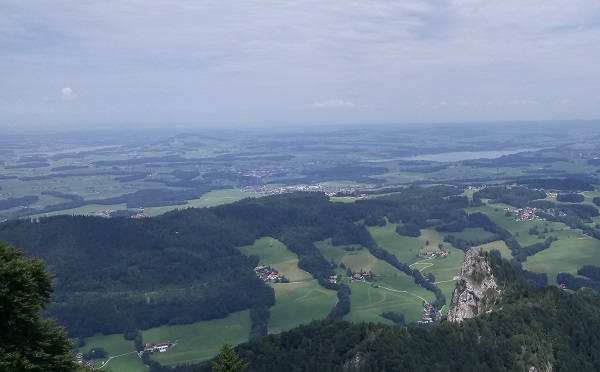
x,y
293,62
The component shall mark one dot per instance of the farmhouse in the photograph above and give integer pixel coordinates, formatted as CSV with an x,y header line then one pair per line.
x,y
160,347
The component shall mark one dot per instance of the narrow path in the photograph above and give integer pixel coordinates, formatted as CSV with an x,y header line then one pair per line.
x,y
423,262
396,290
116,356
446,281
299,298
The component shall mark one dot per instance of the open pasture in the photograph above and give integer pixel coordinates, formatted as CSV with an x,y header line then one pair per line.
x,y
472,233
565,255
399,294
123,357
520,229
299,303
198,341
274,253
443,268
405,248
500,246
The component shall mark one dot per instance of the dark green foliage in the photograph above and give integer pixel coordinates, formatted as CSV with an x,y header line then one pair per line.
x,y
343,305
563,184
227,360
17,202
397,318
570,198
27,165
259,314
575,283
104,268
592,272
515,196
541,204
465,245
408,229
28,343
62,195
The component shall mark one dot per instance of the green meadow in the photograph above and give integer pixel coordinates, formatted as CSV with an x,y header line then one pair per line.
x,y
565,255
472,233
299,303
123,357
198,341
500,246
391,290
275,254
405,248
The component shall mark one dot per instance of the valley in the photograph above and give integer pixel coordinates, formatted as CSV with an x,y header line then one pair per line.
x,y
347,232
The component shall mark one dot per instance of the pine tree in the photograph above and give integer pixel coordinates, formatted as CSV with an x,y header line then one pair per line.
x,y
228,361
28,342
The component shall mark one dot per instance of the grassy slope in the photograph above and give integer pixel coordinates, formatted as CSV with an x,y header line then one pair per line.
x,y
126,357
199,341
297,302
397,292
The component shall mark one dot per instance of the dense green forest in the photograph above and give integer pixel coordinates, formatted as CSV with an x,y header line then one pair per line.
x,y
118,275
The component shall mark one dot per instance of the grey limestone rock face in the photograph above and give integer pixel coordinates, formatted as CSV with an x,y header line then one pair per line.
x,y
476,281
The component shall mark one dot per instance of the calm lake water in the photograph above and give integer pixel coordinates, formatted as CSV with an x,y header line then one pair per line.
x,y
466,155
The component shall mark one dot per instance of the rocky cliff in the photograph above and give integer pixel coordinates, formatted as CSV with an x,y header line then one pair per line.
x,y
475,289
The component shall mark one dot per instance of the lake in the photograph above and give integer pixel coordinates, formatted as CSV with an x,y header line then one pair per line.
x,y
466,155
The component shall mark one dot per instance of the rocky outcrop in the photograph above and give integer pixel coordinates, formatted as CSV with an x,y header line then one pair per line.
x,y
475,287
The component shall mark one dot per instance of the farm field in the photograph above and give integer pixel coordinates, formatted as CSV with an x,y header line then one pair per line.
x,y
299,303
500,246
471,233
275,254
198,341
565,255
396,291
405,248
124,357
367,302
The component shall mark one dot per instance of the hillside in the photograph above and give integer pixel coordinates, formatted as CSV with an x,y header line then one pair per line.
x,y
528,329
382,258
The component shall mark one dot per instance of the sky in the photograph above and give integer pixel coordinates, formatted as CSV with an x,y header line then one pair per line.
x,y
296,62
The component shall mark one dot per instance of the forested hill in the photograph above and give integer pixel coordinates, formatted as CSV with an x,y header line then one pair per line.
x,y
118,275
540,327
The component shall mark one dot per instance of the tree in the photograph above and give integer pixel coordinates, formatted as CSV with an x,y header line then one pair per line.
x,y
28,342
228,360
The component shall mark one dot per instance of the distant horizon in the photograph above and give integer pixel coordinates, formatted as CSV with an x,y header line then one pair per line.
x,y
274,127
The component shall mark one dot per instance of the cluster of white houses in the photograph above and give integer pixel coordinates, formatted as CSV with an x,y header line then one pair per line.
x,y
441,254
430,314
160,347
267,274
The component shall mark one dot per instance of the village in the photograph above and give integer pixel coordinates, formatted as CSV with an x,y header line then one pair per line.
x,y
269,274
435,254
430,314
328,190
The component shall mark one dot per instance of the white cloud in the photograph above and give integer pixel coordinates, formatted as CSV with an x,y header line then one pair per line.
x,y
213,61
67,94
333,103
